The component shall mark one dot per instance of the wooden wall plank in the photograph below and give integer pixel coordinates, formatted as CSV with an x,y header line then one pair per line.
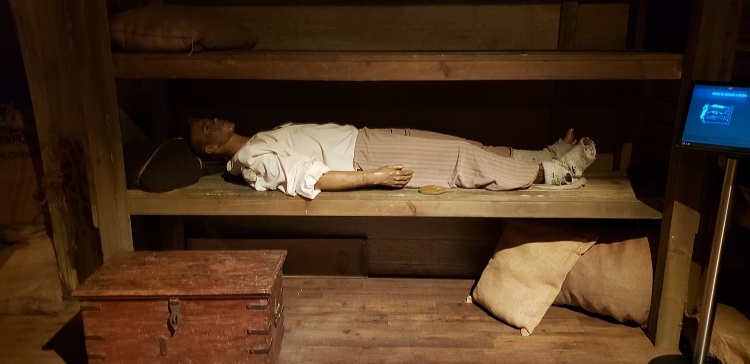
x,y
309,256
520,114
602,26
429,257
425,27
384,228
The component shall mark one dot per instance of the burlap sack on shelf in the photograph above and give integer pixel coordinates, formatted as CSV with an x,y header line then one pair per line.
x,y
176,28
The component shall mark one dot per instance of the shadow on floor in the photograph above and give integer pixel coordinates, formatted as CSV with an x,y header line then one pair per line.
x,y
69,342
669,359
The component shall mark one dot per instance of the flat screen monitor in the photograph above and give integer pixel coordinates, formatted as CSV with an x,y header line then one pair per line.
x,y
717,118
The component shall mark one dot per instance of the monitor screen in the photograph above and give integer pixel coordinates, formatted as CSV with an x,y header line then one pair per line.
x,y
717,118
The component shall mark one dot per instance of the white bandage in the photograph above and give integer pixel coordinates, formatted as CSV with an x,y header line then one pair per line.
x,y
579,158
568,170
554,151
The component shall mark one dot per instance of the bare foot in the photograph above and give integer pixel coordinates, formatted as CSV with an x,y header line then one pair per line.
x,y
562,146
569,137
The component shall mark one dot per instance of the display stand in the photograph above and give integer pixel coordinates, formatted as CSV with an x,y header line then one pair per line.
x,y
708,307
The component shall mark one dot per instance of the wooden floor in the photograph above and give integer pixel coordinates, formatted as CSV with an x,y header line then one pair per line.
x,y
42,338
382,320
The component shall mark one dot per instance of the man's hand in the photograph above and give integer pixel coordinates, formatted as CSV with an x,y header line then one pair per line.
x,y
391,176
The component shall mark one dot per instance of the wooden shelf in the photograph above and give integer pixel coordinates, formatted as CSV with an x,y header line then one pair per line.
x,y
606,195
401,66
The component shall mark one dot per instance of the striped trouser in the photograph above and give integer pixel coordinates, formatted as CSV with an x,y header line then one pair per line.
x,y
443,160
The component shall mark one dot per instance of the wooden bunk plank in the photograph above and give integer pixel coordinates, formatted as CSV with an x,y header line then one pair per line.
x,y
421,66
606,195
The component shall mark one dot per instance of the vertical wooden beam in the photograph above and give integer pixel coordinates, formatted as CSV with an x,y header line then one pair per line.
x,y
708,56
103,126
66,51
566,37
637,24
171,232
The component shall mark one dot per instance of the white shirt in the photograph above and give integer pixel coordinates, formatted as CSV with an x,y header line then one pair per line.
x,y
292,157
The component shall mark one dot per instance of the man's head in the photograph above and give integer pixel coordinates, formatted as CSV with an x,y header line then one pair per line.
x,y
210,137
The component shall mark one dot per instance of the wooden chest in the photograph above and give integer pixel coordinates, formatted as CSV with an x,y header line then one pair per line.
x,y
185,306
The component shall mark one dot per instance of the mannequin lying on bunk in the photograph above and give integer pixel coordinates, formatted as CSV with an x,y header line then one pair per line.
x,y
305,159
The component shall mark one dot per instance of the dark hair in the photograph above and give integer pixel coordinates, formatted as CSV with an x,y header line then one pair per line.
x,y
193,147
198,151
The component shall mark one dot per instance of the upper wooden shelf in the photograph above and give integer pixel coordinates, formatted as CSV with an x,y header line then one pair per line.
x,y
401,66
607,195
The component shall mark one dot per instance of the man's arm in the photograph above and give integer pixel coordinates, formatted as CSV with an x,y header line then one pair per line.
x,y
391,176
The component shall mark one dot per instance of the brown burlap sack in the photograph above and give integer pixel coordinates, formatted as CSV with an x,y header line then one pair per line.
x,y
527,270
175,28
730,338
612,279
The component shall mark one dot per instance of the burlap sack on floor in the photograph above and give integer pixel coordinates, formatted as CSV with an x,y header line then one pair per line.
x,y
730,338
612,279
527,270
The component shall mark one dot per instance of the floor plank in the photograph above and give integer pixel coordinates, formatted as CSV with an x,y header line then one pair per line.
x,y
41,339
381,320
350,320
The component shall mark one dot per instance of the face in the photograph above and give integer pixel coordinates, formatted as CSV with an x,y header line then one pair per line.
x,y
208,135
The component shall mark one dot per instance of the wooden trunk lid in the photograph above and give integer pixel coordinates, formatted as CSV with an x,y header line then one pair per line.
x,y
149,275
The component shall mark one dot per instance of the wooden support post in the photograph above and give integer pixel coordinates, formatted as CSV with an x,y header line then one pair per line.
x,y
709,56
566,39
637,24
66,51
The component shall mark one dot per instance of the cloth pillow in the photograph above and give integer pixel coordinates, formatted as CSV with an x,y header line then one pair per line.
x,y
612,279
176,28
156,165
527,270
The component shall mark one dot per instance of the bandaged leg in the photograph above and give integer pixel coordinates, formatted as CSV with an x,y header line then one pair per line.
x,y
556,150
580,157
532,156
561,147
568,170
556,173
